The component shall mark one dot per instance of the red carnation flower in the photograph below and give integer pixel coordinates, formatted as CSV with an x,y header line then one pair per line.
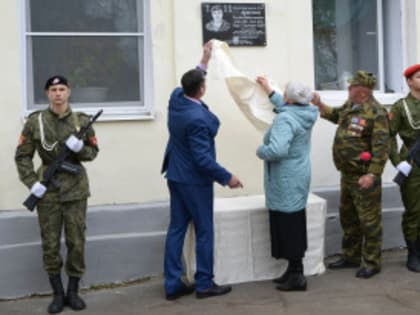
x,y
365,156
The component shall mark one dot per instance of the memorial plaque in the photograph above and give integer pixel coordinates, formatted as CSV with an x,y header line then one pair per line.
x,y
238,24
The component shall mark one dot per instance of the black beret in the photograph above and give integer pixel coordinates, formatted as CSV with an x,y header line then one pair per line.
x,y
57,79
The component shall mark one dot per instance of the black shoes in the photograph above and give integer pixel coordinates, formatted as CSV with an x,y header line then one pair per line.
x,y
294,282
366,273
363,272
283,277
413,260
215,290
184,290
60,299
342,263
57,304
73,299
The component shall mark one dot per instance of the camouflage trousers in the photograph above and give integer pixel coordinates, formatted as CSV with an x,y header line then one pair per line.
x,y
52,217
410,195
361,220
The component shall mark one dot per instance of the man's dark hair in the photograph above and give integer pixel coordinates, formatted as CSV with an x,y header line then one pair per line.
x,y
216,7
191,82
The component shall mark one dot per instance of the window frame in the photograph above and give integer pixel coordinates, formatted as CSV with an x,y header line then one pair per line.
x,y
113,110
408,55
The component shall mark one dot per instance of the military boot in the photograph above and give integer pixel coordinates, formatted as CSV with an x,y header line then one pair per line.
x,y
413,261
73,299
57,304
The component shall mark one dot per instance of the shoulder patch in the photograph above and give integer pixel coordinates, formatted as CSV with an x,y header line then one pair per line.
x,y
21,140
93,142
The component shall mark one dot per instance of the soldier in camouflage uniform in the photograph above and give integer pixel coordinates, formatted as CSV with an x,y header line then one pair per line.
x,y
360,152
404,120
63,202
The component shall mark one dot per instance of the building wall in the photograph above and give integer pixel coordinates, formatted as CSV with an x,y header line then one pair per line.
x,y
127,168
415,30
128,211
10,102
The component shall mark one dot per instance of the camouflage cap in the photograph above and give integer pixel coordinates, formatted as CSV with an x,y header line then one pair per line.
x,y
363,78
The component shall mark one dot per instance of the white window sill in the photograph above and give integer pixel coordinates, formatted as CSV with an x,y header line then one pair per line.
x,y
337,98
118,114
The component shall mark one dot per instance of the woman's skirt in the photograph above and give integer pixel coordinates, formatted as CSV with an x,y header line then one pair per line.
x,y
288,234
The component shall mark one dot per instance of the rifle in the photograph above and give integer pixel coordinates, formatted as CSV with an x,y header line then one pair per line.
x,y
413,157
60,164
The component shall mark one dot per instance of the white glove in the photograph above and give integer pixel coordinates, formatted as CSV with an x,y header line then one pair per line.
x,y
404,167
74,144
38,189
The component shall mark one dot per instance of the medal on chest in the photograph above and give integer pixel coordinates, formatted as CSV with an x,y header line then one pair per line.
x,y
356,126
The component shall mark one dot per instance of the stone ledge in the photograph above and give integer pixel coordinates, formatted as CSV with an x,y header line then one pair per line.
x,y
139,229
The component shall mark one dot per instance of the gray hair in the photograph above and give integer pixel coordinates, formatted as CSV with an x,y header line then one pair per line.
x,y
298,92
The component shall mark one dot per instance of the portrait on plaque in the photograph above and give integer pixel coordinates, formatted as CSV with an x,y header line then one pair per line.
x,y
238,24
217,23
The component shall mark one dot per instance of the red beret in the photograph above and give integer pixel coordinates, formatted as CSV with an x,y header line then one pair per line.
x,y
410,70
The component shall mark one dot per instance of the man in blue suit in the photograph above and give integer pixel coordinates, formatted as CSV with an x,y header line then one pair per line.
x,y
191,169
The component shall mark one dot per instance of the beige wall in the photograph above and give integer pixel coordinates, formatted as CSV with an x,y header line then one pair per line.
x,y
127,168
287,56
10,104
238,139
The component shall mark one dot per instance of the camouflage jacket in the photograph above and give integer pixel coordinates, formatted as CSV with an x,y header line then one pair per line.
x,y
399,124
46,133
361,128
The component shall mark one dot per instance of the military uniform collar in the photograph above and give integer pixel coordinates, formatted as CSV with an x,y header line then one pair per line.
x,y
360,107
355,107
65,115
412,99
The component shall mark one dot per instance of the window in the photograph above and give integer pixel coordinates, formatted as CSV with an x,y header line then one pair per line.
x,y
101,46
359,34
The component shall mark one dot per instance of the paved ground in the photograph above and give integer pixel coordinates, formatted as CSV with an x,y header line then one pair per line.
x,y
394,291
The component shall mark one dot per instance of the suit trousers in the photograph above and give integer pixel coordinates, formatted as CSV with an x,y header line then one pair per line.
x,y
189,202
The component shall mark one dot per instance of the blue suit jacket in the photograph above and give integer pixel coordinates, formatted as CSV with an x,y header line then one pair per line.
x,y
190,155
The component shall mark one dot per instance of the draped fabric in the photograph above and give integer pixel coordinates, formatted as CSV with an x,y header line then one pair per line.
x,y
247,94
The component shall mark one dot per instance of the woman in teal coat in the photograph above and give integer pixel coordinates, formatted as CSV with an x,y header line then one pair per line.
x,y
287,175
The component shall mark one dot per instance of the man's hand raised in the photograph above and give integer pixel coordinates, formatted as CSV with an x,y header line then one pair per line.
x,y
207,48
